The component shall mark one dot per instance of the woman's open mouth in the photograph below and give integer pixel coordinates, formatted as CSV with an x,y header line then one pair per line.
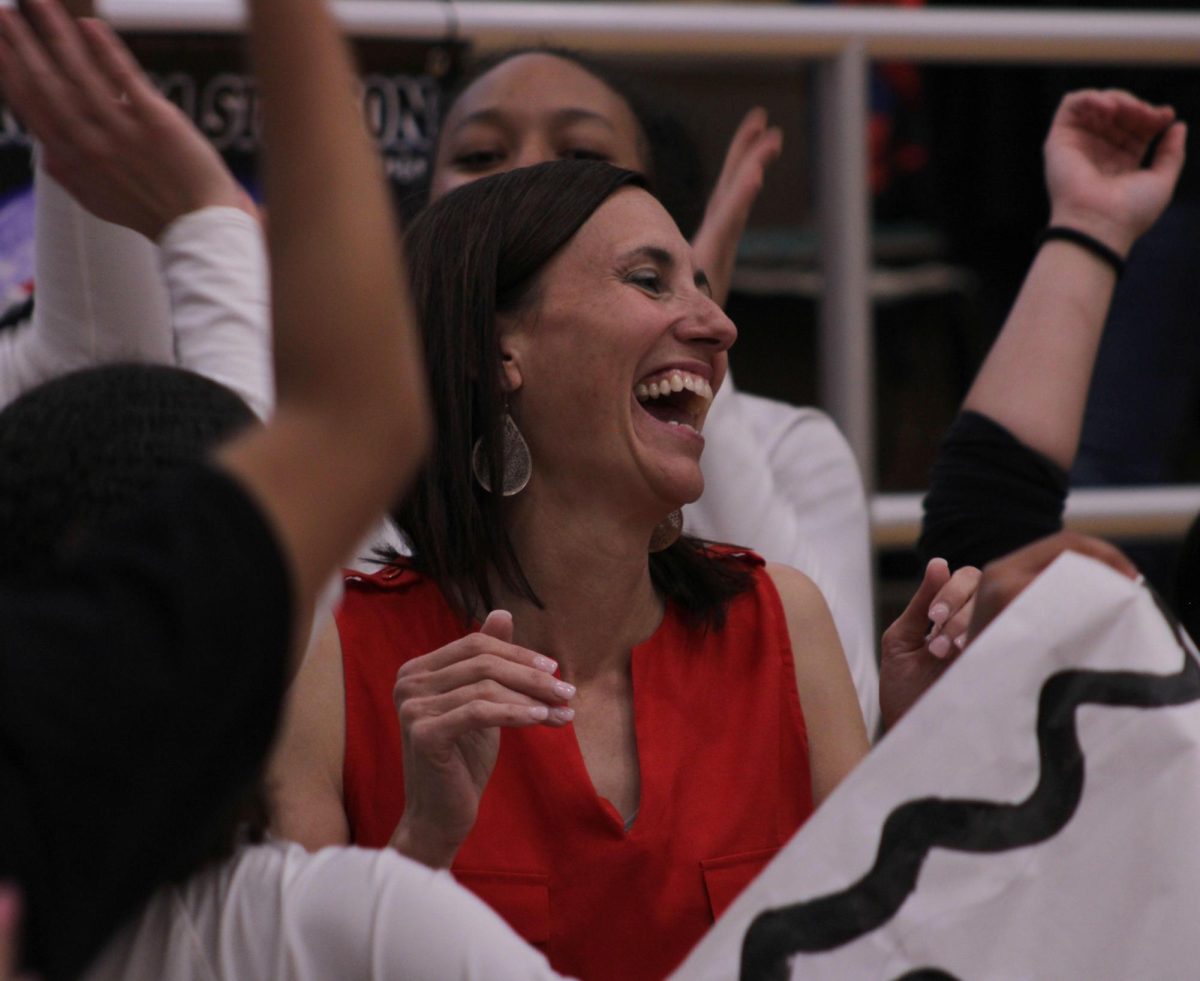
x,y
676,397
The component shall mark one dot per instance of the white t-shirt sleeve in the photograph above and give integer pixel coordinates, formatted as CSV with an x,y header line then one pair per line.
x,y
276,911
782,480
214,263
100,297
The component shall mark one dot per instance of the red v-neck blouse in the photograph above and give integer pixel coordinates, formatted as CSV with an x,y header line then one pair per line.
x,y
725,781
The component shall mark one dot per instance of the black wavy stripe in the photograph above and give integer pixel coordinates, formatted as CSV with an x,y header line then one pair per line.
x,y
915,827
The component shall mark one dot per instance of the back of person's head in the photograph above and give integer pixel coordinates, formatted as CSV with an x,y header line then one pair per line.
x,y
76,451
667,154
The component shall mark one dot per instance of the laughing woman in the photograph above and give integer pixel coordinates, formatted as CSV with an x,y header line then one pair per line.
x,y
603,728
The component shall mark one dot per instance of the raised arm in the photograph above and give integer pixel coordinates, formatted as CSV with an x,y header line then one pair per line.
x,y
754,147
352,419
1034,381
1000,478
106,293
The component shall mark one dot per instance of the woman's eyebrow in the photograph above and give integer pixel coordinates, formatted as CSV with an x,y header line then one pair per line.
x,y
570,114
492,116
653,253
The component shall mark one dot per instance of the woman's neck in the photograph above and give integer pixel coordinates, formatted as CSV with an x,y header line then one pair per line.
x,y
593,578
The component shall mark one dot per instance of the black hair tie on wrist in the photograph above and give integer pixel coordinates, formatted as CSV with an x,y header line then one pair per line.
x,y
1084,241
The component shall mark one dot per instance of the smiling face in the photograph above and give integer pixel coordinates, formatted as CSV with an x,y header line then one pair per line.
x,y
530,109
612,369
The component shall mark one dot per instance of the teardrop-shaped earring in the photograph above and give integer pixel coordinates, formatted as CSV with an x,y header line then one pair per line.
x,y
517,462
666,533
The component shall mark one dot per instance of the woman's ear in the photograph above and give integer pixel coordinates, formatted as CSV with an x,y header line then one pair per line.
x,y
511,349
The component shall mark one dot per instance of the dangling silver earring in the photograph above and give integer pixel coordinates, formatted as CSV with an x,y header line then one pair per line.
x,y
666,533
517,463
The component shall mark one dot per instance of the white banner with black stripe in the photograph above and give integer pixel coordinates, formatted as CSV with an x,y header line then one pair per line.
x,y
1036,815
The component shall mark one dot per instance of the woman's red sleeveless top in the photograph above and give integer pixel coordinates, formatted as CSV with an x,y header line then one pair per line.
x,y
725,781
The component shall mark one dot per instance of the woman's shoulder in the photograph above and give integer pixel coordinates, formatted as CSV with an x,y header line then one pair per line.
x,y
396,596
802,600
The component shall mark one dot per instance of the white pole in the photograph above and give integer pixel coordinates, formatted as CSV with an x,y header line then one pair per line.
x,y
735,30
847,358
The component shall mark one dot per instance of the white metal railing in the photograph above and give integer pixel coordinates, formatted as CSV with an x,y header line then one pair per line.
x,y
1133,512
843,41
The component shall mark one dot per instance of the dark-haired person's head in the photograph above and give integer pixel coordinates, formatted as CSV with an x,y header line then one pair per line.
x,y
535,105
78,450
559,294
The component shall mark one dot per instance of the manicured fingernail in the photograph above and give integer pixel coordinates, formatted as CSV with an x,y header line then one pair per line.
x,y
563,690
938,612
960,641
563,714
940,646
545,664
539,713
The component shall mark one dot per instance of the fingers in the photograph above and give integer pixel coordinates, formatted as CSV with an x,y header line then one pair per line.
x,y
910,627
1032,559
950,612
1118,117
1005,578
115,61
444,718
499,625
482,680
1170,153
61,39
753,148
489,666
750,130
50,80
482,643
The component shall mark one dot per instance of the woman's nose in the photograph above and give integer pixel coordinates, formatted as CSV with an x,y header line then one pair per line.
x,y
708,325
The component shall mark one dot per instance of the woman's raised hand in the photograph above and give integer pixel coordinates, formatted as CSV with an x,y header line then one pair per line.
x,y
913,656
1094,153
452,704
754,147
119,147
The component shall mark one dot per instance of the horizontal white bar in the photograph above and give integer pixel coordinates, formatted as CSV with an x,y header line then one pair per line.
x,y
1126,512
734,30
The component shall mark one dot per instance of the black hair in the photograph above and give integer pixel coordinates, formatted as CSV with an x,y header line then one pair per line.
x,y
79,449
671,158
475,254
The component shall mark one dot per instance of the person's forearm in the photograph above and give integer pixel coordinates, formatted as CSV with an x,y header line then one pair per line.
x,y
351,420
1035,379
334,205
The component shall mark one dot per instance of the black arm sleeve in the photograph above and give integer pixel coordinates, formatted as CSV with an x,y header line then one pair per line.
x,y
138,697
989,494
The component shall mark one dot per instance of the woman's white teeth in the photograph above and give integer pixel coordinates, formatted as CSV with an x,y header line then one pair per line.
x,y
672,422
676,382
